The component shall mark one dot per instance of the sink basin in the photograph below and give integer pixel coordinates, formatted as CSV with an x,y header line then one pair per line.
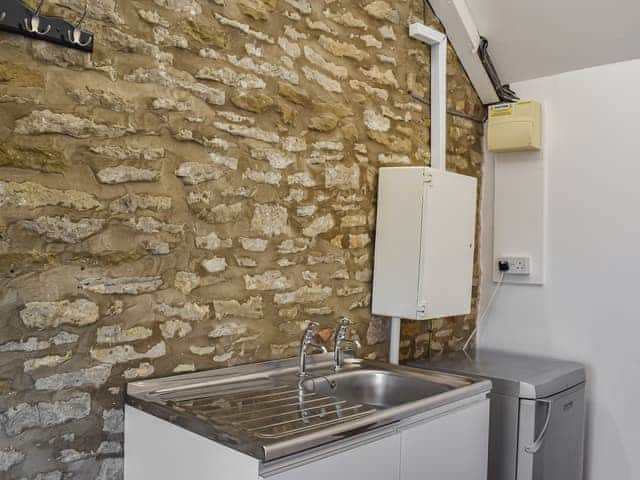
x,y
261,409
375,387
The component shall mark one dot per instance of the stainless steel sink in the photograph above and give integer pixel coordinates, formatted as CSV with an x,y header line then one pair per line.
x,y
263,411
376,388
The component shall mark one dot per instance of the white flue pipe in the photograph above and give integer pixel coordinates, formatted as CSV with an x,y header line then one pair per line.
x,y
438,43
394,341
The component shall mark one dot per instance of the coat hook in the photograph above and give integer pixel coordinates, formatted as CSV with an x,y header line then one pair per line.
x,y
33,24
76,35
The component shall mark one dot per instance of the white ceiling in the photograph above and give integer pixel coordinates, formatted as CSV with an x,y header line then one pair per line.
x,y
536,38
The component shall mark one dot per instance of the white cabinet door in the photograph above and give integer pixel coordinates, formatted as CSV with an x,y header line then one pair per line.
x,y
448,239
378,460
425,237
155,449
451,447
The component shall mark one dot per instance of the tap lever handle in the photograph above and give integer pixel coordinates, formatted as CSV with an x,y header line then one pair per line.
x,y
340,340
345,322
311,325
312,328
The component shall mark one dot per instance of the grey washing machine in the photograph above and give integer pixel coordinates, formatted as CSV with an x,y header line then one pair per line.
x,y
537,412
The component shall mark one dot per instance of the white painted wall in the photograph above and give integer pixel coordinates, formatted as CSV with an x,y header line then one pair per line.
x,y
589,308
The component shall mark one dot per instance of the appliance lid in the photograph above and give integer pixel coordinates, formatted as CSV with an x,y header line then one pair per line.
x,y
512,374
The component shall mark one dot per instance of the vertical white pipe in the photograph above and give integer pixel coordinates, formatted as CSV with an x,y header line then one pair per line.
x,y
438,42
439,105
394,341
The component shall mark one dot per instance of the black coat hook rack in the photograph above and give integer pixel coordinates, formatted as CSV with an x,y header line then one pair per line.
x,y
16,17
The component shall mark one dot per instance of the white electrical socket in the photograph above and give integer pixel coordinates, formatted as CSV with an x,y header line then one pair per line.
x,y
517,265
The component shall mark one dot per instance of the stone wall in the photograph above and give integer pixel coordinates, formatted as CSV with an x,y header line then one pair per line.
x,y
191,193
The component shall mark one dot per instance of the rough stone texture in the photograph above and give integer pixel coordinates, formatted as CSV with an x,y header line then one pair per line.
x,y
254,244
188,195
124,285
171,78
32,195
269,280
63,229
144,370
46,121
43,315
189,311
175,329
32,344
248,132
303,295
276,158
252,308
376,121
212,242
111,469
9,458
156,247
319,225
112,334
215,264
25,416
252,102
270,220
192,173
314,57
113,421
326,82
129,153
94,376
378,331
186,282
342,49
324,123
151,225
126,174
126,353
131,203
383,11
47,361
231,78
342,177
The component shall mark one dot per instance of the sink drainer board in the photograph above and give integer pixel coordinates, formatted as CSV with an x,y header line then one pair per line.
x,y
264,409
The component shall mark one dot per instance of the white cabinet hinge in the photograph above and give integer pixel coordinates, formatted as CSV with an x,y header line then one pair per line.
x,y
428,177
421,311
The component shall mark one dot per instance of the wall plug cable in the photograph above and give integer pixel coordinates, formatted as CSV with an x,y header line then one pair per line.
x,y
484,314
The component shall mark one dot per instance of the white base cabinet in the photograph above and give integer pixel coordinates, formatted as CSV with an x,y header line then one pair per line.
x,y
448,443
451,447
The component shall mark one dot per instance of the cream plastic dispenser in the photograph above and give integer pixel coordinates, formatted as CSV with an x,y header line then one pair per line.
x,y
515,127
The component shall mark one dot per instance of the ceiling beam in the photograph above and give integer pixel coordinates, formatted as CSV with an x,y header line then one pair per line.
x,y
463,35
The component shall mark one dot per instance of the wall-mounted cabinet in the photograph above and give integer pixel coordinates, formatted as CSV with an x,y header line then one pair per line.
x,y
425,239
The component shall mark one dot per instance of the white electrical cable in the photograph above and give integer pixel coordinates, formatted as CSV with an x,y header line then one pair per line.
x,y
484,314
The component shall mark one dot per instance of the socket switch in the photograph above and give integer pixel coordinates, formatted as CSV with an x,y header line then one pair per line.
x,y
517,265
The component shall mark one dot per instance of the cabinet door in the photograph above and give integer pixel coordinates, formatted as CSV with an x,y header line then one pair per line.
x,y
448,239
451,447
379,460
